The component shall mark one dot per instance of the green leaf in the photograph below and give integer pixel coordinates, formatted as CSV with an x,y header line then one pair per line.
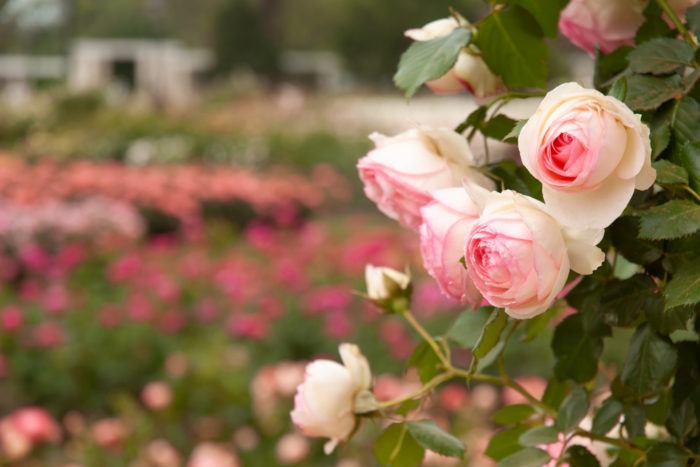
x,y
572,410
491,333
513,48
466,330
685,120
659,56
536,325
692,16
428,60
528,457
682,421
505,443
684,286
515,132
426,362
607,417
578,456
539,435
546,13
397,448
498,127
624,233
576,351
513,414
666,455
670,173
608,66
654,26
650,362
619,89
515,177
555,392
666,321
623,301
474,119
635,420
660,134
689,159
674,219
431,436
649,92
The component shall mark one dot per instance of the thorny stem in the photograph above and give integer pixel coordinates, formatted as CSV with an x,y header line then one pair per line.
x,y
689,38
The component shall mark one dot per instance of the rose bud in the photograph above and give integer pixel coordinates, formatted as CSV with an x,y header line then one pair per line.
x,y
388,288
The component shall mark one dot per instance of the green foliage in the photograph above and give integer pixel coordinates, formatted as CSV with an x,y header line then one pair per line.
x,y
424,61
674,219
513,414
430,436
572,410
528,457
539,435
426,362
576,351
650,363
513,48
466,329
396,447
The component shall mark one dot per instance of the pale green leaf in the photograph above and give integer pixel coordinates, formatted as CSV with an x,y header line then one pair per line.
x,y
428,60
431,436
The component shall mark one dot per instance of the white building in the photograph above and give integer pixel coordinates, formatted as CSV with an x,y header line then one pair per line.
x,y
160,70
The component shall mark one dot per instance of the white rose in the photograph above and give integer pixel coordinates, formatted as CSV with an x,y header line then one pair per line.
x,y
325,403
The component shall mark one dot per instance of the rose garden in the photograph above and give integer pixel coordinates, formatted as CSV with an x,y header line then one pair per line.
x,y
498,290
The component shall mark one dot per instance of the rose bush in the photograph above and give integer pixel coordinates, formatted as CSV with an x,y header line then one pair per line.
x,y
590,151
582,155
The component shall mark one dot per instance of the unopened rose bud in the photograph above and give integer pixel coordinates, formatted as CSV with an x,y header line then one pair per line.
x,y
388,288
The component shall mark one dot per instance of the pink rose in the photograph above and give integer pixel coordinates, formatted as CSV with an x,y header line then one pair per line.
x,y
446,223
518,256
470,72
590,151
607,24
326,402
402,170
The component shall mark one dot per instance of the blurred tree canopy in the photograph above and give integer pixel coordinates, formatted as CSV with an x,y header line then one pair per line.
x,y
368,34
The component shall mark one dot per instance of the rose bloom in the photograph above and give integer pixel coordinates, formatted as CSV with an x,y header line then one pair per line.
x,y
589,151
469,72
402,170
518,256
607,24
324,405
446,223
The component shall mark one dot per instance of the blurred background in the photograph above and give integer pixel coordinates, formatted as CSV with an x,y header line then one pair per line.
x,y
177,194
